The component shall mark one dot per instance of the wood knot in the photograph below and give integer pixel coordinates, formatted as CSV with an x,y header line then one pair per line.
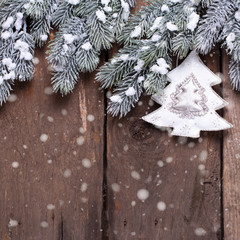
x,y
139,130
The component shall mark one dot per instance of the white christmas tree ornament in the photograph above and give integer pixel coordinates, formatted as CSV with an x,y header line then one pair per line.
x,y
189,103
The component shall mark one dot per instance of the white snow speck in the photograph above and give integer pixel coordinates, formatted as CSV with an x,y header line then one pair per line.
x,y
133,233
49,161
50,207
8,62
150,102
203,156
19,21
23,47
133,203
5,35
64,112
44,37
126,10
125,148
43,137
36,61
44,224
230,39
124,57
142,194
82,130
13,223
25,146
69,39
107,9
48,90
156,23
161,206
84,187
136,32
115,187
161,67
160,163
15,164
201,167
191,145
67,173
105,2
171,27
80,140
164,8
155,37
73,2
101,16
193,21
130,92
86,163
116,98
87,46
139,65
50,119
12,98
135,175
169,159
90,118
141,79
200,232
7,24
237,15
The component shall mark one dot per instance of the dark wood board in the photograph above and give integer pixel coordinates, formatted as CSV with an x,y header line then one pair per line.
x,y
192,196
231,156
52,172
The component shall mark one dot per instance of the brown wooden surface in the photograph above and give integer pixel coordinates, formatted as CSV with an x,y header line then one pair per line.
x,y
27,190
231,156
192,196
200,186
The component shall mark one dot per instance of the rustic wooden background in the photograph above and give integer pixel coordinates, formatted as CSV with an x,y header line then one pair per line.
x,y
69,171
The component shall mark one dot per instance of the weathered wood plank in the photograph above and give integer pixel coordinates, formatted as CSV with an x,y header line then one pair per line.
x,y
231,155
184,176
52,171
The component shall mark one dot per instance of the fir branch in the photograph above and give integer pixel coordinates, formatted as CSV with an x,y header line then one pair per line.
x,y
70,53
40,13
64,11
112,72
212,24
165,21
126,95
182,44
65,77
234,73
139,24
154,82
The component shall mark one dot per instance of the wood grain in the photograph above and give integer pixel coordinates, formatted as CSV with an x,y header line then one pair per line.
x,y
135,150
51,172
231,156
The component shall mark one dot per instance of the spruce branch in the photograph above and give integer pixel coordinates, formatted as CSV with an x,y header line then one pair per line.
x,y
153,36
64,11
234,73
126,95
70,53
212,24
